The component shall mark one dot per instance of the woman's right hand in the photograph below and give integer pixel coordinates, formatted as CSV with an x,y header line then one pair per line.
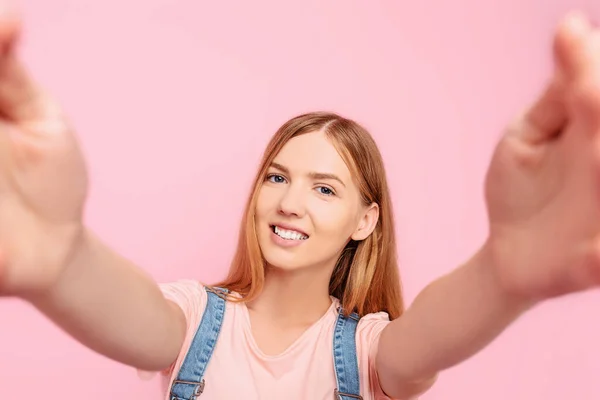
x,y
43,178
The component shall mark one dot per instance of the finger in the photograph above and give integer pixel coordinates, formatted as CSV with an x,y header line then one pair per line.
x,y
21,99
570,43
547,116
584,96
577,51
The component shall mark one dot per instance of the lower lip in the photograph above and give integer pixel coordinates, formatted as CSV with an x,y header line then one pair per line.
x,y
285,242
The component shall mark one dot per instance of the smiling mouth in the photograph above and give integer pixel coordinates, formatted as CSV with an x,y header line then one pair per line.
x,y
288,234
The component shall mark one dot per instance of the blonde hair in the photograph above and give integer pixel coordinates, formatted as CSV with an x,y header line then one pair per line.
x,y
365,278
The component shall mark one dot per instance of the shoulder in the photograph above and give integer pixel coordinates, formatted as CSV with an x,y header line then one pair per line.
x,y
370,326
190,296
183,289
368,332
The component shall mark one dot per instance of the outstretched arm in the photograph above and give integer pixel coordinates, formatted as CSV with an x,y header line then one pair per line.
x,y
111,306
450,320
47,256
543,203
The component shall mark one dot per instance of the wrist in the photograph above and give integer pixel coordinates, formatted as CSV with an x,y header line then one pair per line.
x,y
508,291
63,260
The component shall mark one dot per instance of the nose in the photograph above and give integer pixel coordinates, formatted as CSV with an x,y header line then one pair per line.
x,y
292,202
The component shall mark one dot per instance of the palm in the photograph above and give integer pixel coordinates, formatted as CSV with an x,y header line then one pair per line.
x,y
45,170
542,189
42,183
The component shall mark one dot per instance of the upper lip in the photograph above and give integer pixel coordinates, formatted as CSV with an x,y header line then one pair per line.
x,y
290,228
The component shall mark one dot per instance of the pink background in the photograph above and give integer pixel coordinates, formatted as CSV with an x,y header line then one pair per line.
x,y
175,100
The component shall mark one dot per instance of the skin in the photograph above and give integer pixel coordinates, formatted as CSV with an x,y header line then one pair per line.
x,y
544,217
542,243
298,193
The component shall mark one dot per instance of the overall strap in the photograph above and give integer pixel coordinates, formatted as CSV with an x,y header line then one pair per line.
x,y
189,383
345,358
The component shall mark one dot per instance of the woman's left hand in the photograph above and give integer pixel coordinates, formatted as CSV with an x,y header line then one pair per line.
x,y
543,184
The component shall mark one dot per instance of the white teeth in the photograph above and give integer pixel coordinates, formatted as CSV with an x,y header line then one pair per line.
x,y
289,235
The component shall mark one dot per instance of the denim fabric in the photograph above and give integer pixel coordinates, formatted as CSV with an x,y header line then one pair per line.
x,y
344,356
189,383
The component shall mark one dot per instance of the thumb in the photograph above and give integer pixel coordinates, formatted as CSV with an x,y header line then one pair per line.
x,y
21,99
548,115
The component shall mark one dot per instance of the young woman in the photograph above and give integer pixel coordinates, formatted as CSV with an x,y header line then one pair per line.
x,y
312,305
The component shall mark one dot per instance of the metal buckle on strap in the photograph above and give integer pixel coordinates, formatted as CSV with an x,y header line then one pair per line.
x,y
352,315
222,293
198,388
338,395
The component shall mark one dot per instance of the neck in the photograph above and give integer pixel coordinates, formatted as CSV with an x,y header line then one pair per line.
x,y
294,297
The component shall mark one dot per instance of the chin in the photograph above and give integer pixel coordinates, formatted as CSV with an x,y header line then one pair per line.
x,y
285,261
282,253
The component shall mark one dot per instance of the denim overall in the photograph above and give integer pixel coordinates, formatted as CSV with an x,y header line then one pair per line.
x,y
189,383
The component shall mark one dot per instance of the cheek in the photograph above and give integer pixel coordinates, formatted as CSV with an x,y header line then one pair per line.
x,y
263,203
335,221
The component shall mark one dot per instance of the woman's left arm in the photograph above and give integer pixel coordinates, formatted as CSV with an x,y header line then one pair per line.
x,y
543,201
450,320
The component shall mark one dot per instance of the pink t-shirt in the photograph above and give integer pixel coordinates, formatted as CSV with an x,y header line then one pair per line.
x,y
305,370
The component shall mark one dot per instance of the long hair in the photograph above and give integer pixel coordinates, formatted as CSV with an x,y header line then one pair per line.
x,y
365,278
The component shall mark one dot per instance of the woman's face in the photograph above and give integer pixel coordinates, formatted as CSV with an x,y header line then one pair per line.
x,y
309,207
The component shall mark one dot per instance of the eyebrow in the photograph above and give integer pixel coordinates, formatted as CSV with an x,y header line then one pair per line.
x,y
313,175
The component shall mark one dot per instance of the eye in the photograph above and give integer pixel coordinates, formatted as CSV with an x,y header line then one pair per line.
x,y
275,178
326,191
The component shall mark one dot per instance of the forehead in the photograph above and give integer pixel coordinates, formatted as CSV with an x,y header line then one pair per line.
x,y
313,152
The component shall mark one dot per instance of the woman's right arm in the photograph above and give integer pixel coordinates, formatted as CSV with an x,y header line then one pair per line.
x,y
111,306
47,256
